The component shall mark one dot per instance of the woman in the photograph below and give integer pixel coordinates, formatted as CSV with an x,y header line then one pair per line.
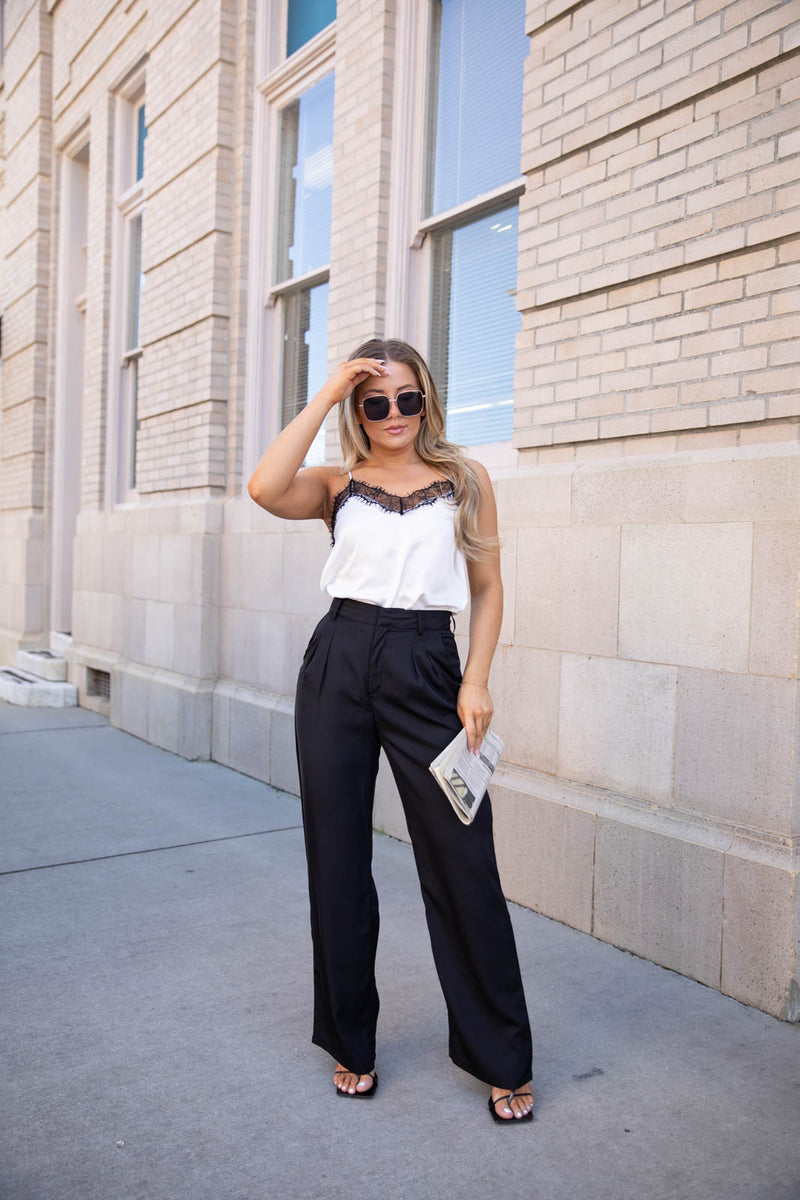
x,y
414,535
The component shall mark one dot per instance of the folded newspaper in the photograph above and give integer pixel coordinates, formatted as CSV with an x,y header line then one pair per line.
x,y
464,777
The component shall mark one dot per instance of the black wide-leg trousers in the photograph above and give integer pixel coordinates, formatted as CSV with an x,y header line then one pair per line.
x,y
375,677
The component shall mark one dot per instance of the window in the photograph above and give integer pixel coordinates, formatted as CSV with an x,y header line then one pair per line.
x,y
305,19
290,224
474,136
128,283
303,249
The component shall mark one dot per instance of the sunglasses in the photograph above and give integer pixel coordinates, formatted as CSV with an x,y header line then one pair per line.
x,y
377,408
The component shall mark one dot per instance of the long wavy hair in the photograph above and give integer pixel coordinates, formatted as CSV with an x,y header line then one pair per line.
x,y
431,443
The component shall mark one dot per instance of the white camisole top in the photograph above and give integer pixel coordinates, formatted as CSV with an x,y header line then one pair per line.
x,y
396,551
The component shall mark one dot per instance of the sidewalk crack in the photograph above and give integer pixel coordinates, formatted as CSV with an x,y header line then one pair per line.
x,y
76,862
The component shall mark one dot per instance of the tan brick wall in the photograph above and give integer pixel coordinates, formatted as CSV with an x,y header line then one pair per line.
x,y
660,221
361,159
240,262
187,230
24,275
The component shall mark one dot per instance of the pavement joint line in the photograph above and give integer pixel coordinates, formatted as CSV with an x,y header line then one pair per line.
x,y
49,729
77,862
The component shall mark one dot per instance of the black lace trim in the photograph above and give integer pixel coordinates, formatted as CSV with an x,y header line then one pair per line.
x,y
372,494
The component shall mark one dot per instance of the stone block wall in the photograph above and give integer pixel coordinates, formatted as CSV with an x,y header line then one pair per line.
x,y
646,684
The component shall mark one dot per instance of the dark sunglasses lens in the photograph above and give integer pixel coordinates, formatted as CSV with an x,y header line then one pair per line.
x,y
376,408
409,404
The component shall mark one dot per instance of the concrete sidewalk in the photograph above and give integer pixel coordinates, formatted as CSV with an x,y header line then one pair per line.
x,y
155,1010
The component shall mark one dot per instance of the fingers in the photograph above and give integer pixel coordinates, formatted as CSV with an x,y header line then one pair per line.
x,y
356,370
475,712
348,375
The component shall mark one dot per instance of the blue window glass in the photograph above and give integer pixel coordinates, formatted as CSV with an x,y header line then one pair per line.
x,y
475,324
479,57
306,177
306,19
141,134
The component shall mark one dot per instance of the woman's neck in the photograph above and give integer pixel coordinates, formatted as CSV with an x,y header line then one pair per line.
x,y
398,462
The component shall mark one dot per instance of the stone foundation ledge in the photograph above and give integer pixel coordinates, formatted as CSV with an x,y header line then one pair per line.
x,y
712,901
169,709
253,732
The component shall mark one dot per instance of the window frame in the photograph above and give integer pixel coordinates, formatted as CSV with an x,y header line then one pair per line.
x,y
124,360
276,88
412,232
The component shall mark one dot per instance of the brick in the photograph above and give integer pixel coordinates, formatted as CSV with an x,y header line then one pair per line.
x,y
574,431
718,341
781,226
718,196
739,362
784,406
775,431
652,399
679,371
684,231
601,406
678,419
788,301
737,410
658,352
789,252
777,379
770,281
628,425
714,294
785,353
739,314
694,322
771,331
747,264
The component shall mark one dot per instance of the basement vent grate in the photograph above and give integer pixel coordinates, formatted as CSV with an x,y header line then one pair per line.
x,y
98,683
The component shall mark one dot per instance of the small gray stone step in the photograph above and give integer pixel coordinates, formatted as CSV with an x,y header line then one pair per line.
x,y
24,688
43,663
60,643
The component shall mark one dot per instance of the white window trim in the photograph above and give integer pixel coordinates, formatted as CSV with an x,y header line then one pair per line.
x,y
409,266
128,203
283,84
73,216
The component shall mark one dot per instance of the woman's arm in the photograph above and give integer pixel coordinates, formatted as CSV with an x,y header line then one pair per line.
x,y
277,483
475,706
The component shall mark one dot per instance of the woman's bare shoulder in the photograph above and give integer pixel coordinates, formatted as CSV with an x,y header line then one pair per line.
x,y
336,478
480,471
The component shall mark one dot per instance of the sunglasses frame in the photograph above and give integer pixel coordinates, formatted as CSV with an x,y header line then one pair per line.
x,y
395,400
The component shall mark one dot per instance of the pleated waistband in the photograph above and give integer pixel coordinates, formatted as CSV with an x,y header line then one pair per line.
x,y
398,618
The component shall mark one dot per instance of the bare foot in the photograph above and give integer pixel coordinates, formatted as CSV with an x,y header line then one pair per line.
x,y
514,1105
349,1081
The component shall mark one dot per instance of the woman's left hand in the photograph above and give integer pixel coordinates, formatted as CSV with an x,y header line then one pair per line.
x,y
475,711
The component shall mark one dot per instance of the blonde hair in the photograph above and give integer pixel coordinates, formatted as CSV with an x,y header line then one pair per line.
x,y
431,443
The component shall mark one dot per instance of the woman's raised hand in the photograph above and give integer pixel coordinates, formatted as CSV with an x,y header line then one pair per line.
x,y
348,375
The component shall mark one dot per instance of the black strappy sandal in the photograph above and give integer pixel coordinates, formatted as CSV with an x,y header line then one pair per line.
x,y
510,1120
357,1095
